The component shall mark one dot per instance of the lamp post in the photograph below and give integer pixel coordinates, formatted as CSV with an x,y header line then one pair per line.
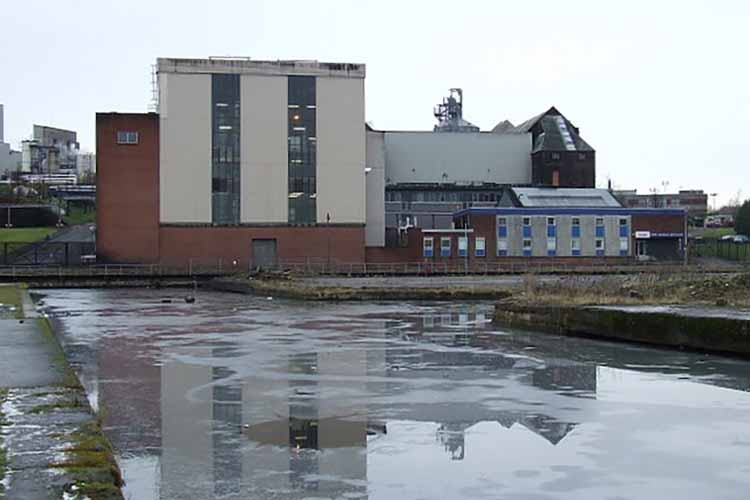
x,y
328,234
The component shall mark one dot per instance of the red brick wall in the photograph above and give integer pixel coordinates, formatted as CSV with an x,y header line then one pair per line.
x,y
659,223
127,184
178,245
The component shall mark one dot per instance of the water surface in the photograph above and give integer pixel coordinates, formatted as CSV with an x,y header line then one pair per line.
x,y
246,397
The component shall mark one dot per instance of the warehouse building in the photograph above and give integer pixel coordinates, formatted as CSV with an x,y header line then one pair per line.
x,y
260,160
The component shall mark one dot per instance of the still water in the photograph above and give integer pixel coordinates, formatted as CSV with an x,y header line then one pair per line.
x,y
247,397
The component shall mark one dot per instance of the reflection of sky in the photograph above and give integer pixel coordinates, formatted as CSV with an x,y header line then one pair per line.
x,y
470,412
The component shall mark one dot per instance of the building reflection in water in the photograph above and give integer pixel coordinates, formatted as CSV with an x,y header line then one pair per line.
x,y
301,429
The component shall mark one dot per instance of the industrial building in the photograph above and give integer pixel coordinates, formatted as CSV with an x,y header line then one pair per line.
x,y
10,160
257,163
51,151
695,201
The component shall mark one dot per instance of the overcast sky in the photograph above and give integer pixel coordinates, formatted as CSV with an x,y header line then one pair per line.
x,y
659,89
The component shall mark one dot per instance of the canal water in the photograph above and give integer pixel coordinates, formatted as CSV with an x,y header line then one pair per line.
x,y
253,397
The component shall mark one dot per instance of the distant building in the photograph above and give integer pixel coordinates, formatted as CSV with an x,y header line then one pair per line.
x,y
430,175
86,165
10,160
694,201
52,150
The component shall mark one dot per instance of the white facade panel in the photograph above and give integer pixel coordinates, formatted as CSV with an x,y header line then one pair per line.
x,y
341,150
429,157
263,149
375,187
185,148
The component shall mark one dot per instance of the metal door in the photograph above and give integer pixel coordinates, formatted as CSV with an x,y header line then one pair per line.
x,y
264,254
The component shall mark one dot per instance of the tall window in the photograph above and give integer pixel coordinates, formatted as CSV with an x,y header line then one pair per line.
x,y
600,227
502,236
527,248
225,148
445,247
427,246
479,246
463,246
302,143
575,227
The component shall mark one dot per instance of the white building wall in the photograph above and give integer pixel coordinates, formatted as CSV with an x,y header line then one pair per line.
x,y
341,150
375,190
263,149
185,148
423,157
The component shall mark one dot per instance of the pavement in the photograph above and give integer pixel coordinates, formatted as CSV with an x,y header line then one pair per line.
x,y
44,413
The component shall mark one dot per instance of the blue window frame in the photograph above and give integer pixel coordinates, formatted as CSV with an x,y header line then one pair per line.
x,y
527,248
427,246
479,247
575,228
445,247
502,227
600,247
624,230
527,231
575,247
600,227
463,246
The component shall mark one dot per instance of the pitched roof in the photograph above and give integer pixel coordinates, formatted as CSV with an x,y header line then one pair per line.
x,y
557,133
565,197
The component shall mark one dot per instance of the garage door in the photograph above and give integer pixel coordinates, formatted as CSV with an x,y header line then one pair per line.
x,y
264,254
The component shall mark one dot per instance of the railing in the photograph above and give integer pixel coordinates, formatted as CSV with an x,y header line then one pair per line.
x,y
315,267
114,270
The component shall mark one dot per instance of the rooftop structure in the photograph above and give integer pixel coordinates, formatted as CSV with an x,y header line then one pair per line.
x,y
565,197
450,114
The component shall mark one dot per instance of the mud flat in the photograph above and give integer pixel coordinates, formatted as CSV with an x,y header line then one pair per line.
x,y
710,329
299,289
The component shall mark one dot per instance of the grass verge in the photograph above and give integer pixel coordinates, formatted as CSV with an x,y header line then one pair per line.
x,y
25,234
11,296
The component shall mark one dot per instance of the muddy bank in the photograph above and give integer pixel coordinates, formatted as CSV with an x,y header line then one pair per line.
x,y
722,331
297,289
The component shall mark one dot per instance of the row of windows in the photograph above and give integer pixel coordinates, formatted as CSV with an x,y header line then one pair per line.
x,y
575,228
551,221
441,196
428,246
575,246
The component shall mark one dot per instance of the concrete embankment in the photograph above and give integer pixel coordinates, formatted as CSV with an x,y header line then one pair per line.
x,y
719,330
296,289
51,443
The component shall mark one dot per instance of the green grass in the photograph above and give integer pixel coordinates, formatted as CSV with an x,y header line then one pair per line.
x,y
77,215
25,234
711,232
10,295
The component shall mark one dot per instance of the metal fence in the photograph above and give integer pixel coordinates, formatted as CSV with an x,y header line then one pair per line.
x,y
45,253
112,271
723,249
320,267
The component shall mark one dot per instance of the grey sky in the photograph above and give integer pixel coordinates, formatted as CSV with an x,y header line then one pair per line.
x,y
659,89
